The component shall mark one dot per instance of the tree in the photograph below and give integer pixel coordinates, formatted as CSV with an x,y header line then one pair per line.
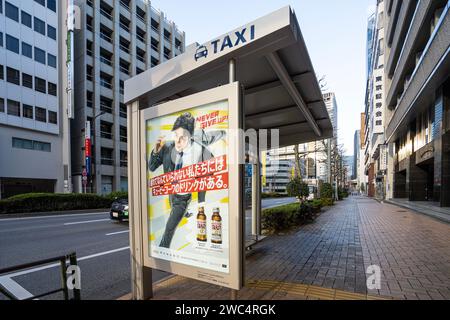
x,y
326,191
297,188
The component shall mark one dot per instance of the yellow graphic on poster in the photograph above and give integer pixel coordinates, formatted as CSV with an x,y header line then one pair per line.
x,y
187,187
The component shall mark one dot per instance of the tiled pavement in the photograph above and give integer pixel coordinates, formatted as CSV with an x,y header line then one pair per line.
x,y
327,259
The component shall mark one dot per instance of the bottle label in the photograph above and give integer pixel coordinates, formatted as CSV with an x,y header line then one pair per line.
x,y
216,231
201,227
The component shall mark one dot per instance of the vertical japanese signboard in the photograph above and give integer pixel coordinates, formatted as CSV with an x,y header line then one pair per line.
x,y
87,148
192,187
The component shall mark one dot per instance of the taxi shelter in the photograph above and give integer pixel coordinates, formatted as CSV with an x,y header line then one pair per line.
x,y
269,60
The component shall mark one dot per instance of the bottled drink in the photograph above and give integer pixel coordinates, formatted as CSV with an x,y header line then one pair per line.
x,y
201,225
216,227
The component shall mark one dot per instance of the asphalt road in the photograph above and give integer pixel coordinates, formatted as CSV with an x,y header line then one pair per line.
x,y
101,245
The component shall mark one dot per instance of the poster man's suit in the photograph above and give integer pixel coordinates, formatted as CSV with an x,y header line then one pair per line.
x,y
172,160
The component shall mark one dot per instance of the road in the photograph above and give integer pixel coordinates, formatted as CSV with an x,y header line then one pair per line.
x,y
102,248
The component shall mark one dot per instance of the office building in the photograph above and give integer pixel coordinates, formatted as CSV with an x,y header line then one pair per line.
x,y
117,39
375,164
417,64
31,114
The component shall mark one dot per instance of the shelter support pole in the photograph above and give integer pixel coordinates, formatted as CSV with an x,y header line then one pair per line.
x,y
232,78
256,192
141,276
232,70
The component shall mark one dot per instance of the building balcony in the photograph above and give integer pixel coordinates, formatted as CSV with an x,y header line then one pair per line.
x,y
432,69
406,11
411,46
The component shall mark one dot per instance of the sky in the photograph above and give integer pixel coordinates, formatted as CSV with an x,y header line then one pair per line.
x,y
335,33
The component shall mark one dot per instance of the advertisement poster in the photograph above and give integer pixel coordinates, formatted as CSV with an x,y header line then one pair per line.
x,y
187,187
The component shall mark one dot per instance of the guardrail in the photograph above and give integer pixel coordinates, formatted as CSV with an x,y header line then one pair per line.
x,y
72,258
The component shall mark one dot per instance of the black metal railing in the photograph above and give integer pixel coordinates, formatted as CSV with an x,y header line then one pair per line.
x,y
72,258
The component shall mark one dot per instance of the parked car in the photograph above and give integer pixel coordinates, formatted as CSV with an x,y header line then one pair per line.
x,y
119,210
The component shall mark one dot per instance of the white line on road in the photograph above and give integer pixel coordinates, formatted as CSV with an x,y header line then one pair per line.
x,y
113,233
20,273
83,222
17,290
54,216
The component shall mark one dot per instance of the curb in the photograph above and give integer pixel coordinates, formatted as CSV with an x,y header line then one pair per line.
x,y
51,213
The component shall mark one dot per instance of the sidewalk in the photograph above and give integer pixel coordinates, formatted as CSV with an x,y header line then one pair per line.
x,y
431,209
327,259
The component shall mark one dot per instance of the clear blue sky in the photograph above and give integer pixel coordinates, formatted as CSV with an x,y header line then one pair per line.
x,y
334,31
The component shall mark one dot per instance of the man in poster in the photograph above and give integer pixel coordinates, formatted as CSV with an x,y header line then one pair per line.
x,y
189,146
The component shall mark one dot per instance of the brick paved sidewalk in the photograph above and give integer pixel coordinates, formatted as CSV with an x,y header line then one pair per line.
x,y
327,259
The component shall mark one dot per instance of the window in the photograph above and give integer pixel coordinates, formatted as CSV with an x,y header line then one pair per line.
x,y
378,96
379,105
11,11
2,72
52,117
1,38
40,85
13,76
26,19
378,79
51,32
123,134
379,114
51,4
106,80
12,44
106,129
52,88
27,111
89,99
41,114
22,143
51,60
378,88
2,105
14,108
123,158
27,50
39,26
378,123
39,55
107,156
19,143
41,2
41,146
123,110
27,80
106,104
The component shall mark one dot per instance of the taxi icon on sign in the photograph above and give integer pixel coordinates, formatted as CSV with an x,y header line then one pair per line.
x,y
201,52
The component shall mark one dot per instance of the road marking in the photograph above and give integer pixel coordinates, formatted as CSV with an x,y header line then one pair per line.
x,y
83,222
13,287
54,216
20,273
113,233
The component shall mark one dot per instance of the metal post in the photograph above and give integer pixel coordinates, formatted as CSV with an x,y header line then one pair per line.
x,y
73,262
64,278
